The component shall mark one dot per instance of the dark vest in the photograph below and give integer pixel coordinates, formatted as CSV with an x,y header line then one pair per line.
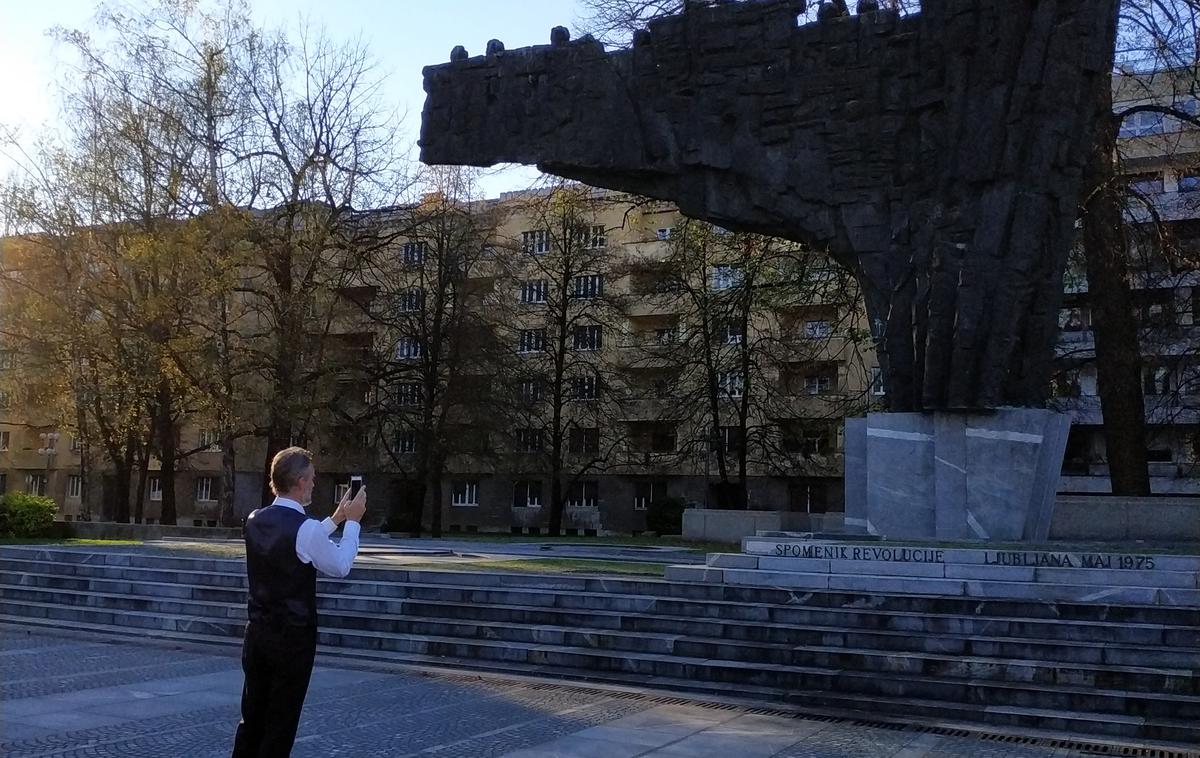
x,y
283,590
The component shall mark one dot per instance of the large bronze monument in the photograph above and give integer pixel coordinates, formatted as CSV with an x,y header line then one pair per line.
x,y
938,156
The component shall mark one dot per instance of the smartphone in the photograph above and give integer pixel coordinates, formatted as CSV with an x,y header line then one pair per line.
x,y
355,485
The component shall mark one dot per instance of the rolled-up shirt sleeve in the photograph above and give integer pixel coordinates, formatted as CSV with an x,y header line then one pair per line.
x,y
330,558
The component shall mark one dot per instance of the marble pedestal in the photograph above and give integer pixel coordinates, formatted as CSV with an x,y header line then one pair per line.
x,y
954,476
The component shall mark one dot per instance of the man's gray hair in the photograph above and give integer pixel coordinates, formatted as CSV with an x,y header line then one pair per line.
x,y
287,467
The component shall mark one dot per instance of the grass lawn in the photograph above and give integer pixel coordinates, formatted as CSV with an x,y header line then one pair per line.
x,y
544,566
69,542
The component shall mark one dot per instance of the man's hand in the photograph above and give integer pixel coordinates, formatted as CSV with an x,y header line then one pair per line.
x,y
339,513
355,509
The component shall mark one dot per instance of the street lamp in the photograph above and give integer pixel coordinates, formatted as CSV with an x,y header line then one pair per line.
x,y
49,449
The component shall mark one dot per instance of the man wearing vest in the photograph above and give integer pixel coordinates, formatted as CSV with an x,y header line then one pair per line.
x,y
285,548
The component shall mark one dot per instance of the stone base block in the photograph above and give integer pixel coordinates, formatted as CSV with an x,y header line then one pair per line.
x,y
954,476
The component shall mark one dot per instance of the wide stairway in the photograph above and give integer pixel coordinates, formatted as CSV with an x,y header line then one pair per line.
x,y
1096,668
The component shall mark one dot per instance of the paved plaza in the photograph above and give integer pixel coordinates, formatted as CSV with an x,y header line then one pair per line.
x,y
68,696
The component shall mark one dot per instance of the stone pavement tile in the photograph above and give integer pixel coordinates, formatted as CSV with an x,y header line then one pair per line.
x,y
580,747
10,731
66,721
231,679
649,737
166,705
717,744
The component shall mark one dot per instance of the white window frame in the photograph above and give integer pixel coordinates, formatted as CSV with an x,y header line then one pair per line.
x,y
464,493
406,442
536,500
589,383
210,440
412,300
36,485
818,384
664,234
593,338
409,394
531,341
876,379
734,334
818,329
588,286
584,501
534,291
5,440
726,276
531,440
204,488
536,241
74,487
530,390
155,487
732,384
409,348
414,253
598,237
8,359
582,433
339,491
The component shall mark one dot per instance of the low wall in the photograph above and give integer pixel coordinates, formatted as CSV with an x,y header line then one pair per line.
x,y
715,525
112,530
1108,518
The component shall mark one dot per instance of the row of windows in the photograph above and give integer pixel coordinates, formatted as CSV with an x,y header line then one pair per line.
x,y
528,493
538,241
587,287
48,443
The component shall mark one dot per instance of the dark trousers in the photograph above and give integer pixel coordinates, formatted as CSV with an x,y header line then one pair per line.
x,y
278,662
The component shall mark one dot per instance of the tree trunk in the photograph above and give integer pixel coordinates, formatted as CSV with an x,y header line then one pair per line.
x,y
168,452
1118,360
228,516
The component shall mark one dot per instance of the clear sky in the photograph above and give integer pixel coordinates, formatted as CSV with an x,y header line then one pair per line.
x,y
404,35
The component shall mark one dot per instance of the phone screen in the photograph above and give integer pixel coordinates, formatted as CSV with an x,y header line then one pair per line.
x,y
355,485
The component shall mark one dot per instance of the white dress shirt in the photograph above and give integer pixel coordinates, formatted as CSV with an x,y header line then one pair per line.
x,y
314,546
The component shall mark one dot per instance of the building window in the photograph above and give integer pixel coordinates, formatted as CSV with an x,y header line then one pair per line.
x,y
534,292
536,242
364,439
663,234
529,440
666,336
414,253
589,287
1156,380
155,489
464,493
734,333
7,359
585,387
5,440
5,401
405,442
598,240
35,484
584,494
408,348
819,329
1073,319
532,340
339,492
730,439
410,394
662,441
412,300
74,487
76,444
527,494
204,488
530,390
818,384
877,382
210,440
584,440
1143,124
726,276
732,383
589,337
1189,181
647,492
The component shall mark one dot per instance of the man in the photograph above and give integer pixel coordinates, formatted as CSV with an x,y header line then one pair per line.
x,y
284,550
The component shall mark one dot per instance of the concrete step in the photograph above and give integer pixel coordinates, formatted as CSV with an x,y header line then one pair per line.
x,y
379,617
1060,590
1169,732
1113,712
1144,645
896,631
736,603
